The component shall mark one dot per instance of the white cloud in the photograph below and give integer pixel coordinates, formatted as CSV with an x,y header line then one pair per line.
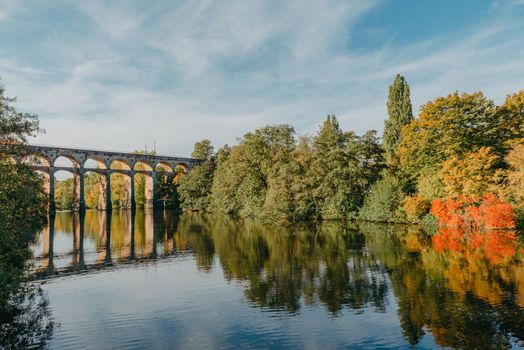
x,y
180,73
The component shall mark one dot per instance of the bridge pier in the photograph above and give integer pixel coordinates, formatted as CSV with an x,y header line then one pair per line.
x,y
109,204
132,189
82,201
52,206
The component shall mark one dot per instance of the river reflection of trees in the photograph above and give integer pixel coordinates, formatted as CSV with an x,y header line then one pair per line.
x,y
466,289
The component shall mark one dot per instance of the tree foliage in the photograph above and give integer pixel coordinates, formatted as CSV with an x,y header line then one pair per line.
x,y
22,213
399,113
447,127
474,175
202,150
272,175
384,201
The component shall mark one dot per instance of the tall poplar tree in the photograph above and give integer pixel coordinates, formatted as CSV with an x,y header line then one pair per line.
x,y
400,113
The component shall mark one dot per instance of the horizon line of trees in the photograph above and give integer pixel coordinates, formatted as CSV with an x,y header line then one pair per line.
x,y
460,148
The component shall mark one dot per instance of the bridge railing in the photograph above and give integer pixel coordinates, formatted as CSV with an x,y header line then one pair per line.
x,y
105,150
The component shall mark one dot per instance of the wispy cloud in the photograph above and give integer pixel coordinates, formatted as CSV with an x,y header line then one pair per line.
x,y
118,74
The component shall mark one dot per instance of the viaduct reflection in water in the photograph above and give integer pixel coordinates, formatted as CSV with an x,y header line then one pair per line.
x,y
466,289
80,242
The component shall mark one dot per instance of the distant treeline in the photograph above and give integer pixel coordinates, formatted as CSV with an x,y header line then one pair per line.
x,y
462,151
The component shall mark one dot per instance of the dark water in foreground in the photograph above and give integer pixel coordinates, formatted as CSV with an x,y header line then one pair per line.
x,y
192,281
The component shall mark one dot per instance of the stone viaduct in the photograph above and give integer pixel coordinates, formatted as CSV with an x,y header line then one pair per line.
x,y
44,159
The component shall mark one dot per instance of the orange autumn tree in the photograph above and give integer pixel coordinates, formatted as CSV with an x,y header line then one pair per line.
x,y
488,212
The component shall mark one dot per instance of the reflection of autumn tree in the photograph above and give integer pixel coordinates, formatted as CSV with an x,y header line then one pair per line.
x,y
465,289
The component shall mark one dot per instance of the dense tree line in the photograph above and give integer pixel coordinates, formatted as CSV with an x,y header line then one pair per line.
x,y
275,175
460,145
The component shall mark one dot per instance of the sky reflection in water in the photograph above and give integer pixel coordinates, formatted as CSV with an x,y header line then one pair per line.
x,y
195,281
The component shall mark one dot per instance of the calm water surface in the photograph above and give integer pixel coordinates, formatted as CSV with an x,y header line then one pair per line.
x,y
165,280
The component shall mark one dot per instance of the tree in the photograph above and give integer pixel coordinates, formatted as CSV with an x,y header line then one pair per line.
x,y
384,201
329,171
515,175
400,114
511,120
241,180
21,189
22,212
15,126
475,174
202,150
195,187
446,127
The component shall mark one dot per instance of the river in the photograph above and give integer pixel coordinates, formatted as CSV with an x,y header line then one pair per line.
x,y
168,280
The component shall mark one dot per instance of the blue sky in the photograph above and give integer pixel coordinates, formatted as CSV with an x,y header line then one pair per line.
x,y
119,74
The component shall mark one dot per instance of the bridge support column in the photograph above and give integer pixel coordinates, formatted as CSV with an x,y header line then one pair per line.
x,y
109,204
82,202
52,206
153,196
132,189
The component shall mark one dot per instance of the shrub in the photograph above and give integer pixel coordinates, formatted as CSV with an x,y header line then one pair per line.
x,y
488,212
415,207
383,202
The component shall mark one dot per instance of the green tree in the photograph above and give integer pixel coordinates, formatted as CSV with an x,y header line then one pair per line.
x,y
399,113
241,180
329,171
195,187
22,212
383,201
337,170
202,150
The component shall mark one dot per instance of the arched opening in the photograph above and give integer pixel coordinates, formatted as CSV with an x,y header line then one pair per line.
x,y
119,164
142,165
94,190
120,191
94,163
66,190
35,160
66,162
144,190
163,167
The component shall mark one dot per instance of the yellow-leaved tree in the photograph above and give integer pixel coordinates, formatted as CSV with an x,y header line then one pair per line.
x,y
474,174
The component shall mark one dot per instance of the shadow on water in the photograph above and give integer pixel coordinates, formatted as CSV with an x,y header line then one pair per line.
x,y
465,289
